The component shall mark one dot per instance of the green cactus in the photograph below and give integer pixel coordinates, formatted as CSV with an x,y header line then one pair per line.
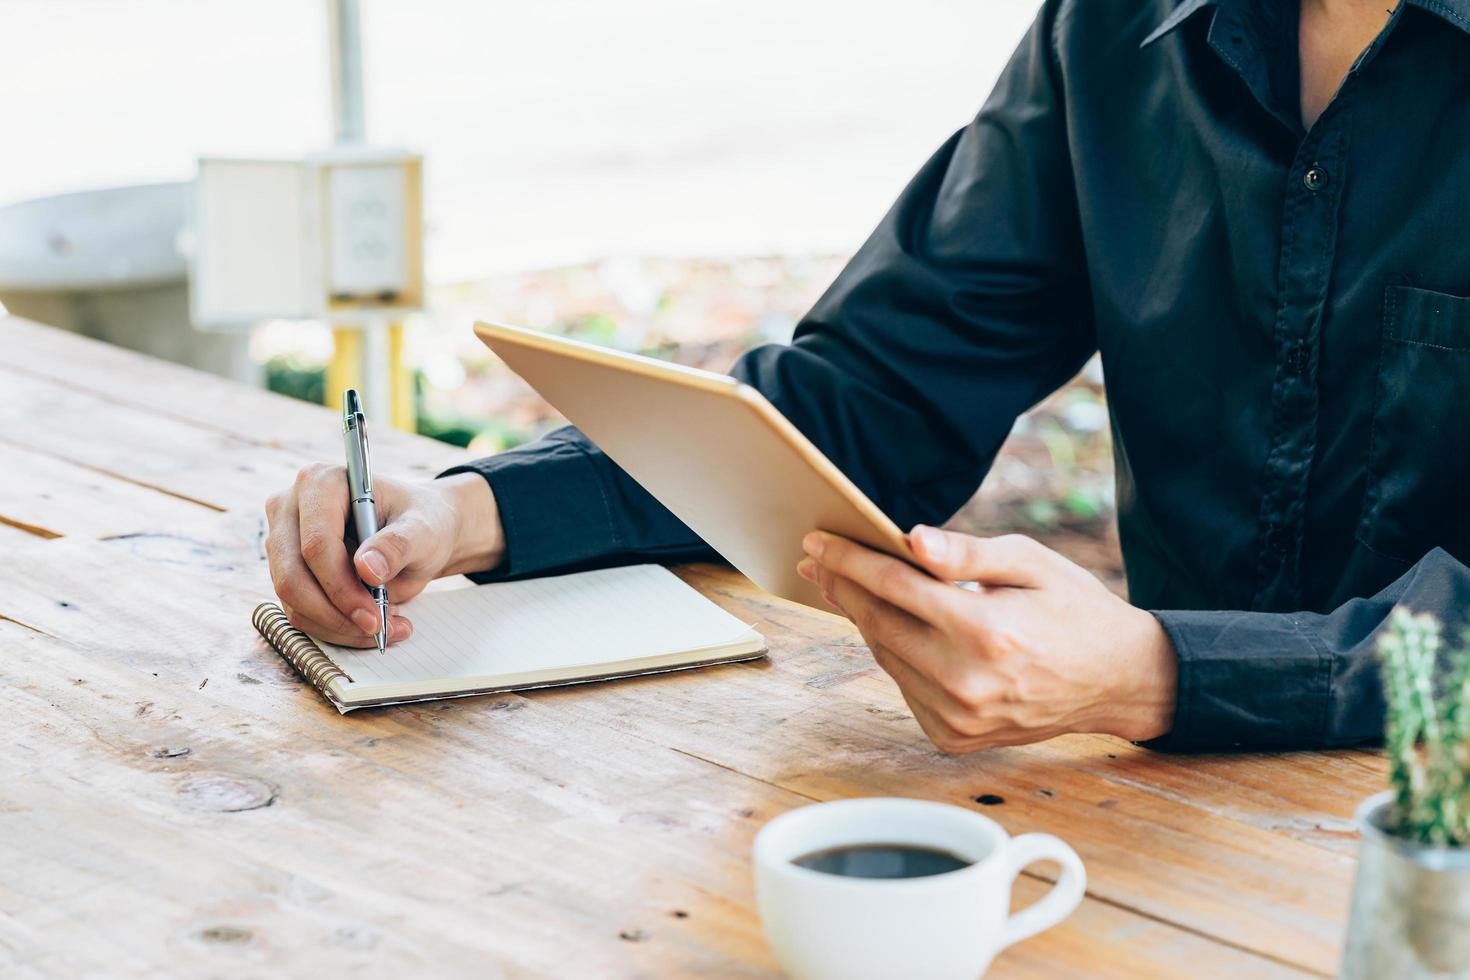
x,y
1427,730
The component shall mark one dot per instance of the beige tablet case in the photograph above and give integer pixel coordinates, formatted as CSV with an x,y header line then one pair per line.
x,y
709,448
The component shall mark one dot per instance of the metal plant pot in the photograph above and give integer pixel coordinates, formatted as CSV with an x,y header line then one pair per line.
x,y
1411,905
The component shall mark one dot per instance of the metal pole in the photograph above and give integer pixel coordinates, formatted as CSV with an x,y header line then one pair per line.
x,y
371,350
344,24
344,39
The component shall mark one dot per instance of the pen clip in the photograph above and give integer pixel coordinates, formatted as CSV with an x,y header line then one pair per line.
x,y
355,422
367,466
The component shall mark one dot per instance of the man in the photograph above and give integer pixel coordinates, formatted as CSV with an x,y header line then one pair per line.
x,y
1256,212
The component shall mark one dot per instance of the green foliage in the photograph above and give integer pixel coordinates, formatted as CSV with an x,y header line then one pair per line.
x,y
452,432
494,435
1427,730
1084,503
598,328
291,376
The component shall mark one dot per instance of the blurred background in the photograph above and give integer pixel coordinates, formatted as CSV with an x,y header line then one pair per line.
x,y
677,177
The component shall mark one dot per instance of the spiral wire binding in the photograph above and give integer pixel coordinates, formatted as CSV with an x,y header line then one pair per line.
x,y
299,650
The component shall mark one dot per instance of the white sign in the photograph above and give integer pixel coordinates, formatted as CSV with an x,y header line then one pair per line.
x,y
337,236
366,250
252,250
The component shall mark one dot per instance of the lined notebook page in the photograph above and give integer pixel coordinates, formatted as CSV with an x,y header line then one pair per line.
x,y
590,618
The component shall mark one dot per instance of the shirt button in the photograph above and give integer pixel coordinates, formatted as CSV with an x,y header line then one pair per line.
x,y
1298,359
1314,179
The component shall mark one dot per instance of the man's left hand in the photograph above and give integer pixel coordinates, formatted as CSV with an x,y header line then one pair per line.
x,y
1040,649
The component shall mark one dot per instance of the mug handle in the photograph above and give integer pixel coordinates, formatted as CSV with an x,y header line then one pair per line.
x,y
1058,903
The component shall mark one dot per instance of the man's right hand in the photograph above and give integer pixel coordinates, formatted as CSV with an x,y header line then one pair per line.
x,y
428,530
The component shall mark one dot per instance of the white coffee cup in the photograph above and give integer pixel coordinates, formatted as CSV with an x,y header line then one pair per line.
x,y
825,925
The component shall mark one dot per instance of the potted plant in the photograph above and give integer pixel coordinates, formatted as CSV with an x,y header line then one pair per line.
x,y
1411,898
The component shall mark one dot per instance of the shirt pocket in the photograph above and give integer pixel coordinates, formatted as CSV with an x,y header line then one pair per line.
x,y
1418,469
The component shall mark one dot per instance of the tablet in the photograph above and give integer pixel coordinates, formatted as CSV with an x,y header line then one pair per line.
x,y
709,448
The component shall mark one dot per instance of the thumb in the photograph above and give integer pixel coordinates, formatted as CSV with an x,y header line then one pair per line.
x,y
381,557
1011,559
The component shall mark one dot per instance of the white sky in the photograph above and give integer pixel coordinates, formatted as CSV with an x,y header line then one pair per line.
x,y
554,130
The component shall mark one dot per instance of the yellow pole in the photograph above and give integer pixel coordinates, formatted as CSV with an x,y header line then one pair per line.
x,y
345,369
405,412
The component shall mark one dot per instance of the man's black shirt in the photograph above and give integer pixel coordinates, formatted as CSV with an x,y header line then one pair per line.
x,y
1283,318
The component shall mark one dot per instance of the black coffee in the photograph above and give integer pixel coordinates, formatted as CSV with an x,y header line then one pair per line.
x,y
882,861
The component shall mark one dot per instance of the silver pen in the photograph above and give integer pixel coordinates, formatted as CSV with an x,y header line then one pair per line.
x,y
360,488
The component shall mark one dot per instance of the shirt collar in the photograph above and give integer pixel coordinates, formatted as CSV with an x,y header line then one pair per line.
x,y
1456,12
1181,13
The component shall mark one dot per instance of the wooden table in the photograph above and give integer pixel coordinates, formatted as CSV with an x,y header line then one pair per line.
x,y
176,802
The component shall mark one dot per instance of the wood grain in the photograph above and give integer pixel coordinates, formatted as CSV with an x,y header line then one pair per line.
x,y
51,498
174,801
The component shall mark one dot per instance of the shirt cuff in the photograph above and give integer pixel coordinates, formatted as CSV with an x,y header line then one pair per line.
x,y
554,508
1246,680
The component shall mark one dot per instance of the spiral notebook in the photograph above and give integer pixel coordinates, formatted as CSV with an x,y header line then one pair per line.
x,y
566,629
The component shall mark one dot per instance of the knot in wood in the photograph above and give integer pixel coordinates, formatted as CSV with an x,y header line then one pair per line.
x,y
223,792
226,935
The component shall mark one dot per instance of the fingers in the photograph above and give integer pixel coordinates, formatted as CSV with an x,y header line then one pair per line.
x,y
299,586
955,695
954,727
930,723
383,556
908,651
306,605
879,621
896,582
897,640
294,582
922,656
924,697
1011,559
399,629
813,573
322,503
